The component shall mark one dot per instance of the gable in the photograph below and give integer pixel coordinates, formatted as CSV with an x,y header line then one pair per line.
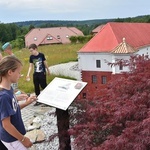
x,y
49,39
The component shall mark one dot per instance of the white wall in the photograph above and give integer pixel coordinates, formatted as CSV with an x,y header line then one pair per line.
x,y
144,51
115,69
87,61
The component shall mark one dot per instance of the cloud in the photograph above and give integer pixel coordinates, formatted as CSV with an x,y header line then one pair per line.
x,y
37,4
54,5
70,9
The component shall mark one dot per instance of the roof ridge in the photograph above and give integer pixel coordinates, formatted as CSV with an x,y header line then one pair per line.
x,y
113,31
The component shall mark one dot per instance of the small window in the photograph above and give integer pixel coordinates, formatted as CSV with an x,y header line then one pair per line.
x,y
35,39
84,95
104,79
120,66
67,36
98,63
94,79
49,38
58,36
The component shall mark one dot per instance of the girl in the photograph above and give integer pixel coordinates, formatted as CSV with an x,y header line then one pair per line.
x,y
12,129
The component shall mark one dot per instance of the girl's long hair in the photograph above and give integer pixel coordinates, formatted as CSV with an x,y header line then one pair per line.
x,y
8,63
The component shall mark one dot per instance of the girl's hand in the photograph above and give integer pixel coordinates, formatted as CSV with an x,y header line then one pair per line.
x,y
31,99
27,78
22,97
26,142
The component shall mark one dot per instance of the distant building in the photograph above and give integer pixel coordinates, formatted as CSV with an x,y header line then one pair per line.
x,y
55,35
97,29
113,41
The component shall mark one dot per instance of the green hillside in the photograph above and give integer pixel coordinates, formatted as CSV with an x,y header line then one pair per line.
x,y
55,54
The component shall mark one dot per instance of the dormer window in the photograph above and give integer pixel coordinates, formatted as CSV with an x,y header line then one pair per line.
x,y
58,36
49,38
35,39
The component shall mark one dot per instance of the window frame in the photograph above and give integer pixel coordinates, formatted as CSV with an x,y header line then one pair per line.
x,y
98,63
103,79
94,79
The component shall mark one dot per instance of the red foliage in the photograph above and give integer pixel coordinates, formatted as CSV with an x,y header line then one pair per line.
x,y
120,120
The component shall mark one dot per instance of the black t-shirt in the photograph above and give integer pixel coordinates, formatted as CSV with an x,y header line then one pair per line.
x,y
38,62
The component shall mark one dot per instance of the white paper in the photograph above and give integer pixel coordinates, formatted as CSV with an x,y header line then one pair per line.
x,y
60,92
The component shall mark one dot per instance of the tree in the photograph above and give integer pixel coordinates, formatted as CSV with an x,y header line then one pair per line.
x,y
73,39
120,119
31,27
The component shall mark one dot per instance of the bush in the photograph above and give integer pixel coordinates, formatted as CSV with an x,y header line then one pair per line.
x,y
120,119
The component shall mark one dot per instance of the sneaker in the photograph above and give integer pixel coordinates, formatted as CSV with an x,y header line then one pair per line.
x,y
37,104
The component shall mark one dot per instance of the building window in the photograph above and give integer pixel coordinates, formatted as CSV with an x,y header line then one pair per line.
x,y
67,36
35,39
84,95
58,36
49,38
94,79
104,79
98,63
120,66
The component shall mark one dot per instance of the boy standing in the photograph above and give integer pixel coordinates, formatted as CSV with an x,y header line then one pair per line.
x,y
38,61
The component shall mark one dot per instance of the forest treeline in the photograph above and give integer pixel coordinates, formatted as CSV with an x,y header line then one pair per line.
x,y
16,31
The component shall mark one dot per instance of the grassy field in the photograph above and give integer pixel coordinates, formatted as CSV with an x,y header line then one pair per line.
x,y
55,54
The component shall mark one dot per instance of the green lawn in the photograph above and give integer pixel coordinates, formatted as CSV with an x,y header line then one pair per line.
x,y
55,54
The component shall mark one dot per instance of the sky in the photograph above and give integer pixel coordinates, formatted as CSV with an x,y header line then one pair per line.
x,y
31,10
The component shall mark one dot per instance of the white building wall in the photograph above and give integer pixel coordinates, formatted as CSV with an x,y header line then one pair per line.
x,y
87,61
115,69
144,51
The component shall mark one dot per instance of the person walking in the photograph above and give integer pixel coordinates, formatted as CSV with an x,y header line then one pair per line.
x,y
12,129
38,61
7,48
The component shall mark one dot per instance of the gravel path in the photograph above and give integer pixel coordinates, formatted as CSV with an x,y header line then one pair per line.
x,y
66,69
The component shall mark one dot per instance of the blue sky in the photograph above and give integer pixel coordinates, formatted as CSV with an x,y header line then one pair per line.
x,y
28,10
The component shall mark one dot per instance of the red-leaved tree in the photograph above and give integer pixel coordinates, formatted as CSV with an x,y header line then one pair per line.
x,y
120,119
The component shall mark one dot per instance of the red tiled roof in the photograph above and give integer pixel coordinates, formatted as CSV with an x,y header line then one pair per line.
x,y
41,35
97,29
136,35
76,31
